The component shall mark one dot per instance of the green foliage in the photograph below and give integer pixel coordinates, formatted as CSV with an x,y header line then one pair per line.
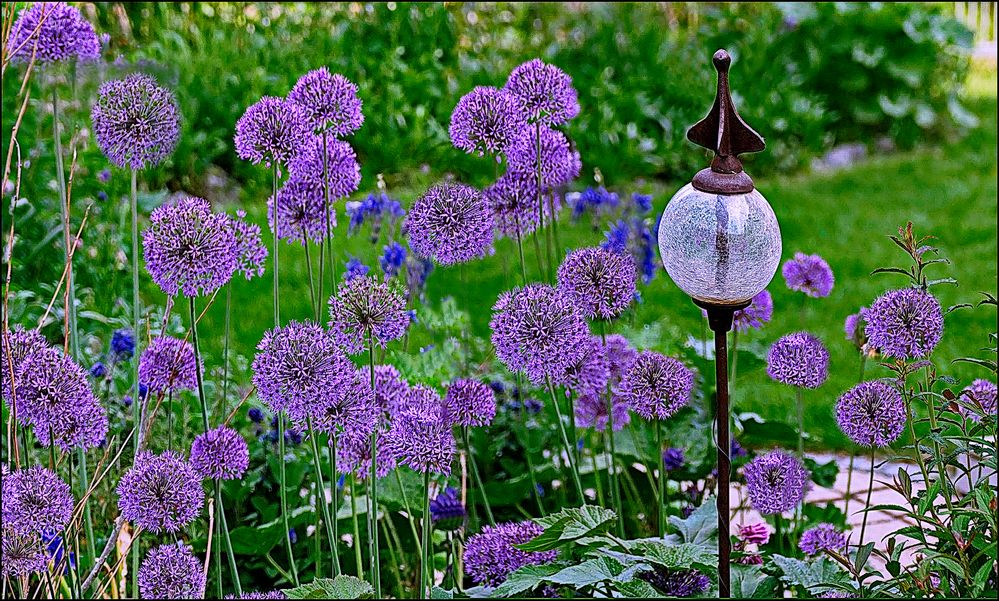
x,y
341,587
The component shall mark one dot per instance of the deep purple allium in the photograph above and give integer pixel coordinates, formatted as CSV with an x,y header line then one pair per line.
x,y
22,553
446,510
52,32
539,330
490,556
343,173
854,327
421,436
366,307
16,346
601,282
905,324
160,492
823,537
872,414
272,130
798,359
122,344
250,250
353,455
677,583
980,394
589,373
301,213
559,162
136,122
486,120
188,249
656,386
777,482
329,102
259,595
220,454
591,412
546,92
469,403
673,459
168,365
35,500
620,356
391,390
809,274
759,312
757,533
513,201
451,223
171,571
349,410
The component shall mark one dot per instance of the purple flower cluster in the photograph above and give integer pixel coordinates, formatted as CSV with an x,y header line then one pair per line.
x,y
17,345
854,327
391,391
35,500
376,208
490,556
329,102
513,202
171,571
250,250
545,91
160,492
981,394
559,162
776,482
220,454
22,553
259,595
905,324
656,386
809,274
451,223
420,436
872,414
759,312
601,282
343,173
365,307
589,373
349,409
591,412
823,537
302,214
52,32
486,120
136,122
353,455
620,356
798,359
469,403
271,131
677,583
168,365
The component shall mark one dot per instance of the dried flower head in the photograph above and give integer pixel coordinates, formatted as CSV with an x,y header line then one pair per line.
x,y
872,414
809,274
35,500
905,324
171,571
656,386
367,307
52,32
601,282
559,162
136,122
491,556
798,359
220,454
168,365
981,395
776,482
272,130
469,403
421,436
329,102
486,120
343,173
823,537
160,492
451,223
546,92
301,213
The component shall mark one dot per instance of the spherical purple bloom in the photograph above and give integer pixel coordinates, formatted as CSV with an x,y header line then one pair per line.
x,y
160,492
872,414
591,412
188,249
301,213
546,92
469,403
36,500
620,356
677,583
17,346
486,120
446,510
798,359
905,324
421,436
391,390
757,533
759,312
171,571
52,32
220,454
329,102
168,365
22,553
854,327
367,307
272,130
513,201
136,122
353,455
673,459
250,250
656,386
776,482
350,409
491,556
343,173
809,274
823,537
980,394
451,223
601,282
589,373
559,163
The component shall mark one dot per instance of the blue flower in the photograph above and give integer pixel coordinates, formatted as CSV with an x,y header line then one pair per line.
x,y
447,511
376,208
292,436
292,536
355,268
597,201
393,258
643,202
98,370
255,414
102,196
55,548
126,400
122,344
673,459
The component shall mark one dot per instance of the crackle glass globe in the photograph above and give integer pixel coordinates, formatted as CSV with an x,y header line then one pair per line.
x,y
721,249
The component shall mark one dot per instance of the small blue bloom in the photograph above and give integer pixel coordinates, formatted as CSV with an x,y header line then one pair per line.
x,y
98,370
412,316
446,510
540,489
255,414
597,201
393,259
143,391
673,459
737,450
123,344
497,386
355,268
104,176
643,202
340,481
533,406
55,548
292,536
102,196
292,436
126,400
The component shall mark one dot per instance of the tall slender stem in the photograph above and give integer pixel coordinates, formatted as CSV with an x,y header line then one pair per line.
x,y
228,540
335,501
520,252
724,463
284,498
312,281
372,485
71,330
137,337
197,362
425,549
541,209
477,476
357,530
274,245
321,499
326,217
801,423
225,351
570,455
853,451
662,477
870,489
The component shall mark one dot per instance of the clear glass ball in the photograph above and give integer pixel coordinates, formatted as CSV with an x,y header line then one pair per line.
x,y
718,248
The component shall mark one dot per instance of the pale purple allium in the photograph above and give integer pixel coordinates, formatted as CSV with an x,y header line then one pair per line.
x,y
301,213
601,282
539,330
272,130
349,410
809,274
513,201
22,553
776,482
343,173
872,414
136,122
589,373
981,394
353,455
559,162
160,492
823,537
486,120
36,500
798,359
367,308
52,32
391,390
546,92
591,412
451,223
329,102
249,248
656,386
220,454
677,583
16,346
421,436
188,249
854,327
620,356
168,365
469,403
171,571
757,533
905,324
759,312
490,556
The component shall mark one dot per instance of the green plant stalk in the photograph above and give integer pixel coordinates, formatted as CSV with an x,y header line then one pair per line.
x,y
853,450
410,517
530,462
551,207
169,417
227,539
565,441
312,280
335,502
801,447
137,401
225,351
321,501
275,246
867,505
541,205
357,529
425,549
372,485
612,458
284,499
478,477
662,478
520,252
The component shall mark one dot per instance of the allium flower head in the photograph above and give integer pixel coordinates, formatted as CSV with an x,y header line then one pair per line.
x,y
17,346
301,213
601,282
872,414
798,359
905,324
171,571
349,410
160,492
823,537
809,274
776,482
451,223
52,32
981,393
677,583
446,510
421,436
250,250
656,386
353,455
366,306
391,390
188,249
591,412
343,173
757,533
136,122
589,373
168,365
22,553
546,92
559,162
486,120
272,130
513,201
620,356
673,459
759,312
329,102
490,556
854,327
35,500
220,454
470,403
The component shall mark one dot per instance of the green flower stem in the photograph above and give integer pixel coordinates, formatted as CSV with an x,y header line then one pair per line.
x,y
570,455
227,539
612,451
312,280
321,500
335,509
137,401
357,530
284,498
853,451
662,478
224,402
477,476
373,486
425,569
520,253
409,511
870,488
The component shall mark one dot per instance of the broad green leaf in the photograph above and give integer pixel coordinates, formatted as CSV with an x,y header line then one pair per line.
x,y
569,525
701,526
751,582
638,589
341,587
588,573
440,593
677,557
525,579
809,574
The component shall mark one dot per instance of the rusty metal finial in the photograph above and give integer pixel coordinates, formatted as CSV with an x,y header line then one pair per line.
x,y
724,132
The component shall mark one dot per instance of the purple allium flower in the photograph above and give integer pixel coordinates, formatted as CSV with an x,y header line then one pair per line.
x,y
353,455
677,583
854,327
469,403
168,365
601,282
620,356
136,122
513,201
171,571
809,274
798,359
490,556
591,412
348,410
905,324
329,102
300,213
656,386
589,373
160,492
823,537
872,414
343,173
272,130
355,269
122,344
981,393
250,250
17,346
673,459
421,436
539,330
546,92
486,120
559,163
776,482
188,249
391,390
366,308
757,533
35,500
392,259
220,454
22,553
759,312
446,510
52,32
259,595
451,223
